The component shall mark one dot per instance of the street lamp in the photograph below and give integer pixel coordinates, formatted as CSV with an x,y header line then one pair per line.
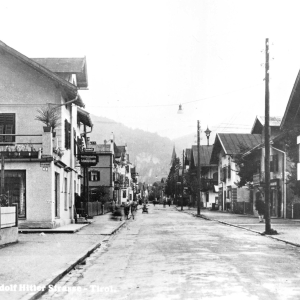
x,y
207,132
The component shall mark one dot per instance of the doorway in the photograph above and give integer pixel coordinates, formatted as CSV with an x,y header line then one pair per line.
x,y
56,194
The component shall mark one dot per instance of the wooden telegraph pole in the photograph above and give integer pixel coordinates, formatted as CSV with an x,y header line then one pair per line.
x,y
182,179
198,170
267,143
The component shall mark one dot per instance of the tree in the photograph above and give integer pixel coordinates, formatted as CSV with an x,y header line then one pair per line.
x,y
246,166
173,177
101,194
190,180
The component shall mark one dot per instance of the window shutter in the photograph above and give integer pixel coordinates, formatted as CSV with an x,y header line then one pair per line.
x,y
1,132
90,176
98,176
8,130
67,134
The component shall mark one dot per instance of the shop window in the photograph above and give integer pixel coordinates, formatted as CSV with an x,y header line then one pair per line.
x,y
7,126
15,190
124,194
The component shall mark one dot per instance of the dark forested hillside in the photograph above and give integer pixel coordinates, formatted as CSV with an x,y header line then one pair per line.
x,y
150,152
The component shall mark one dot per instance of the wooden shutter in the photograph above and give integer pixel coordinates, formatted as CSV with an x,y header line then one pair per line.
x,y
9,130
98,176
90,176
7,126
1,132
67,135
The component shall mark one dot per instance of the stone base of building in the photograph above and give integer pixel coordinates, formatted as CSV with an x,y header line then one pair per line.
x,y
8,235
23,224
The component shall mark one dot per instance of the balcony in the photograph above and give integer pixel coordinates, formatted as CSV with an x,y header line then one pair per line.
x,y
208,184
19,154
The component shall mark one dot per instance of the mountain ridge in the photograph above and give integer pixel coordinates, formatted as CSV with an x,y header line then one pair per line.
x,y
149,152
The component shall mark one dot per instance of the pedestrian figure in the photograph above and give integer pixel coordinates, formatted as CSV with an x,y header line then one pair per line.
x,y
164,202
154,201
126,209
260,207
169,202
133,209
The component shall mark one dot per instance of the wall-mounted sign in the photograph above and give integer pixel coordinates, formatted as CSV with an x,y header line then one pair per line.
x,y
88,159
89,149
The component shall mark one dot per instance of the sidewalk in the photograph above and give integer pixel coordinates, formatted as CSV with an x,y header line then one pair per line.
x,y
288,229
39,259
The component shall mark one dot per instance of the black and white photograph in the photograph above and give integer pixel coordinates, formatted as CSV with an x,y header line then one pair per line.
x,y
149,149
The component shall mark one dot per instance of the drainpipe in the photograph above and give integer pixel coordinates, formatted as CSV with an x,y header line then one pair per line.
x,y
283,182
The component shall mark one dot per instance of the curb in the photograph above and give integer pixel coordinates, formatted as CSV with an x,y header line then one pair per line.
x,y
244,228
61,273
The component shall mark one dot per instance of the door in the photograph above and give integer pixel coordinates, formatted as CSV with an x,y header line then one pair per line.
x,y
56,193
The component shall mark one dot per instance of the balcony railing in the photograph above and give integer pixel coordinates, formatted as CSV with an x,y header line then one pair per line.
x,y
208,184
19,154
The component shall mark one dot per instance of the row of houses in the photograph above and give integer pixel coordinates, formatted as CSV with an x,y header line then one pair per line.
x,y
224,185
46,156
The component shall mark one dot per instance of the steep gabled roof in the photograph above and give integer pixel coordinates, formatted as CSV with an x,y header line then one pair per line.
x,y
74,65
260,122
84,117
205,154
232,143
70,89
291,115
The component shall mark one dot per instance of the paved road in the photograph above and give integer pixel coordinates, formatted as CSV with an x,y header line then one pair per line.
x,y
171,255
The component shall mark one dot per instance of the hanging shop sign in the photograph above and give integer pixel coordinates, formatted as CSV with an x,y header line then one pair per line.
x,y
88,159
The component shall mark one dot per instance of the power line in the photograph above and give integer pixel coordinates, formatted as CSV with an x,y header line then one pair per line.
x,y
172,104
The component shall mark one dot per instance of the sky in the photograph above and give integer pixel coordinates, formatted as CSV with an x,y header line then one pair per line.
x,y
144,58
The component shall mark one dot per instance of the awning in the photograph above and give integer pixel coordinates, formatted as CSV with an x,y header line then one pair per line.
x,y
84,117
216,189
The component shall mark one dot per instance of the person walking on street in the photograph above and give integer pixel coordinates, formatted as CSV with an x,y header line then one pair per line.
x,y
133,209
126,209
260,207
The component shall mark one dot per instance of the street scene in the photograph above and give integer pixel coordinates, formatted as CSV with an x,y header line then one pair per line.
x,y
149,149
167,254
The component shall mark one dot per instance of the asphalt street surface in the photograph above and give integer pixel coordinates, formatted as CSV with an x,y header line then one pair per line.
x,y
166,254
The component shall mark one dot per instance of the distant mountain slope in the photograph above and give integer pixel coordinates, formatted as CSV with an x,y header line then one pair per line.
x,y
150,152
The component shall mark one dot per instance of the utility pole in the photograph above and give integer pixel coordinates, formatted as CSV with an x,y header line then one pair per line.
x,y
182,179
2,176
198,170
267,143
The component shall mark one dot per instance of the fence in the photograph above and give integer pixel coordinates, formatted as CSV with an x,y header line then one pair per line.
x,y
95,208
8,216
242,208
